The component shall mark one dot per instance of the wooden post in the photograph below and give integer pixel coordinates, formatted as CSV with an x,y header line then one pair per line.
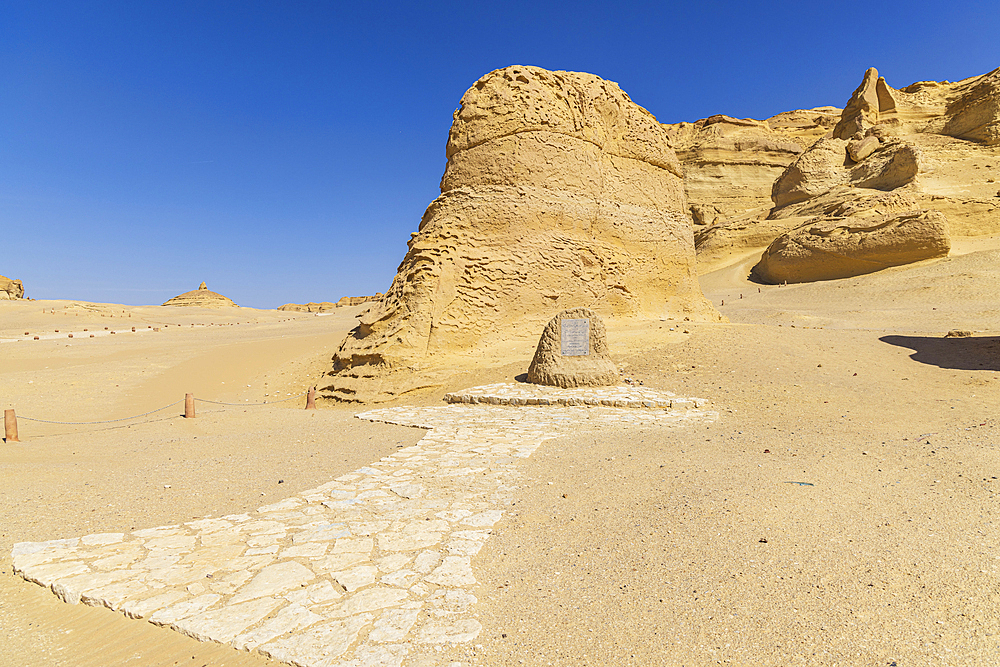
x,y
10,425
188,406
311,399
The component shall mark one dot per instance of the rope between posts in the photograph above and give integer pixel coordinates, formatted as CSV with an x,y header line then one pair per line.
x,y
106,421
290,398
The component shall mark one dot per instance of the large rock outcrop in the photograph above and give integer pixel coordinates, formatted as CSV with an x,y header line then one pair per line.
x,y
201,298
10,289
559,192
937,143
841,247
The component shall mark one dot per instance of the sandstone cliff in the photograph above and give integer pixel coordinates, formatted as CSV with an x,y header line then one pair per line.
x,y
936,143
559,192
10,289
323,306
202,298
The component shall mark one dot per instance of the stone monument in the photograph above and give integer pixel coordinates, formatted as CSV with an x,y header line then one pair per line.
x,y
573,352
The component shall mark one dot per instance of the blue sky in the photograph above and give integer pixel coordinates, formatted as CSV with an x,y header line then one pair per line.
x,y
284,151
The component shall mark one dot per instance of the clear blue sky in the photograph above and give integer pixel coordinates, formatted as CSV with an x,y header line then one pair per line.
x,y
283,151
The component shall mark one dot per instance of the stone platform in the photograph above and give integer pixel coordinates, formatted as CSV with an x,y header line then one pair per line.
x,y
623,396
372,568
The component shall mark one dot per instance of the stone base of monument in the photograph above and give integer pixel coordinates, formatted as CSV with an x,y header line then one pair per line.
x,y
573,352
622,396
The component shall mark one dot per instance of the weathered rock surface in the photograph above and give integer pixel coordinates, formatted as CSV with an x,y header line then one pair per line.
x,y
936,142
559,190
202,298
557,365
730,163
838,247
10,289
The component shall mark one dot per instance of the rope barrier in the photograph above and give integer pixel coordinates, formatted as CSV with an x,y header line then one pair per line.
x,y
10,419
106,421
290,398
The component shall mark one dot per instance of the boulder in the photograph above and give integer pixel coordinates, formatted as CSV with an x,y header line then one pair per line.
x,y
838,247
573,352
201,298
10,289
816,171
861,148
558,190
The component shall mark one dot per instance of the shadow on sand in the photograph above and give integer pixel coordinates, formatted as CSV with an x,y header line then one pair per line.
x,y
967,354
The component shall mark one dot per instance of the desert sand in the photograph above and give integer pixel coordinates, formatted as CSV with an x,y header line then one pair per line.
x,y
622,546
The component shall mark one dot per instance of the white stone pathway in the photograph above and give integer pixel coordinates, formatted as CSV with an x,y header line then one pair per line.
x,y
373,568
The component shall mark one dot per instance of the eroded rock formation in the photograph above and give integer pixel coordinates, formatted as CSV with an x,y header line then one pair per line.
x,y
937,144
841,247
559,192
10,289
202,298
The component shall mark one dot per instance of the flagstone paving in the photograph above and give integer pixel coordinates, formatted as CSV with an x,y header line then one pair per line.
x,y
372,568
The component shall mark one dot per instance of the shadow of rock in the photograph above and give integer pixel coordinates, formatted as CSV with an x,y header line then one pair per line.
x,y
967,354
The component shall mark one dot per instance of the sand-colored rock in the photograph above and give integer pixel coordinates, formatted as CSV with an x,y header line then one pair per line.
x,y
10,289
202,298
936,140
559,192
356,300
311,307
555,365
838,247
730,163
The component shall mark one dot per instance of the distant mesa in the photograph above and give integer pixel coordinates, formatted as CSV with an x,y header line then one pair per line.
x,y
559,192
324,306
201,298
10,290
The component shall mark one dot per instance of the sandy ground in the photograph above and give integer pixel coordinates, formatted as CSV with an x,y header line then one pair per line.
x,y
840,512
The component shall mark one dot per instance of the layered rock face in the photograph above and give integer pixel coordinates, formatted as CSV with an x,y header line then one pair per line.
x,y
10,289
202,298
730,164
559,192
937,144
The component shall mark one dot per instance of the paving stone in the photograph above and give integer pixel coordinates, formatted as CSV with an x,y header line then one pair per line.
x,y
176,612
142,608
222,625
454,571
291,618
275,579
357,577
318,646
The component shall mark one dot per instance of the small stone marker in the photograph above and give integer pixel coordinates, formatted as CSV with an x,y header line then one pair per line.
x,y
573,352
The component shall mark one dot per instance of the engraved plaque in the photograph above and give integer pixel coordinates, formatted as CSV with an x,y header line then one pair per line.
x,y
575,338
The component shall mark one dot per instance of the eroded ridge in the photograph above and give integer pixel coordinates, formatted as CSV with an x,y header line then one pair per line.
x,y
373,568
